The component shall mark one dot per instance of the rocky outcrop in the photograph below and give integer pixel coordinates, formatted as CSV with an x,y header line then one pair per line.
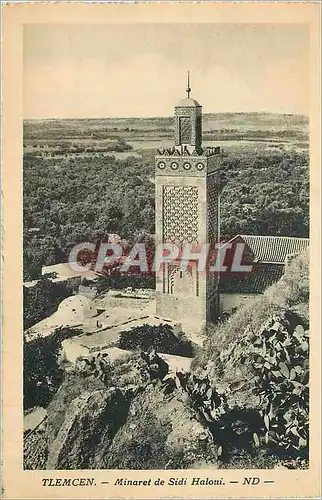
x,y
156,429
161,431
189,440
90,425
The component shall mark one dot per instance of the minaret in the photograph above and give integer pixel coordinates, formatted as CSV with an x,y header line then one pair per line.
x,y
187,211
188,122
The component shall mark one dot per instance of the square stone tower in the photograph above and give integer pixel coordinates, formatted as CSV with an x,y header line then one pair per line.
x,y
187,181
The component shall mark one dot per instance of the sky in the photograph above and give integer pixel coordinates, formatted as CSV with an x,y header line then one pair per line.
x,y
123,70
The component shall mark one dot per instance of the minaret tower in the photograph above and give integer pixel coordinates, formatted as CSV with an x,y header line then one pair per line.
x,y
187,211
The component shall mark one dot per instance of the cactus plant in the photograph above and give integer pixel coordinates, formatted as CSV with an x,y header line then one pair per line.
x,y
96,365
280,362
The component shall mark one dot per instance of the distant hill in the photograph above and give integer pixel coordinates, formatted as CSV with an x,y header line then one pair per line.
x,y
211,121
255,121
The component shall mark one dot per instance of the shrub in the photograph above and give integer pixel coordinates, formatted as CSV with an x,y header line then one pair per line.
x,y
42,374
161,338
135,369
120,281
96,365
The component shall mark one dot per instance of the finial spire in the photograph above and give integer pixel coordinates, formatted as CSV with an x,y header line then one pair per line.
x,y
188,89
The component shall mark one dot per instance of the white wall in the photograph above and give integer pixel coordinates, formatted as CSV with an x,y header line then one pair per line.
x,y
230,301
72,350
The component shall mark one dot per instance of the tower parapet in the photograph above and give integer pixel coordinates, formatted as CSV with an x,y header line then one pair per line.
x,y
184,151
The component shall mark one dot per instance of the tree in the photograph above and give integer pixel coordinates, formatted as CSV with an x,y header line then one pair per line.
x,y
159,337
42,374
41,300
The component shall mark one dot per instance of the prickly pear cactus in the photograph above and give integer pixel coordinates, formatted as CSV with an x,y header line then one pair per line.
x,y
96,365
157,367
202,395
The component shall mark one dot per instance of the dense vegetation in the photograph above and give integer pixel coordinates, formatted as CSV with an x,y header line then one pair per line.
x,y
260,359
42,372
84,199
161,338
266,193
42,300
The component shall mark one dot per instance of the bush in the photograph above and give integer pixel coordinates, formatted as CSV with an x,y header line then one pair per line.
x,y
227,345
42,374
120,281
161,338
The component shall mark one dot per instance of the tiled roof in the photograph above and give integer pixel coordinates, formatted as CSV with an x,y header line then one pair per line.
x,y
262,276
273,249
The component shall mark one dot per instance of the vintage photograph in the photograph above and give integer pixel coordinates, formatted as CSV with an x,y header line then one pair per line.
x,y
166,246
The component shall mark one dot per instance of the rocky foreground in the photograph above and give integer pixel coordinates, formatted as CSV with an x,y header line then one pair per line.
x,y
243,405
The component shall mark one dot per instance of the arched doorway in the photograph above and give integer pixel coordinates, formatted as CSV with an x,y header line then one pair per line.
x,y
181,282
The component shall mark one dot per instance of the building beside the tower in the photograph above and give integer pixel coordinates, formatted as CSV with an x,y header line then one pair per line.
x,y
270,255
187,211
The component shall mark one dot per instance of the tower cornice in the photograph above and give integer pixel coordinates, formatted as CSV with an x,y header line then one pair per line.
x,y
200,165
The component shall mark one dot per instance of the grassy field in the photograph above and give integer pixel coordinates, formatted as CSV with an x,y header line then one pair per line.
x,y
231,130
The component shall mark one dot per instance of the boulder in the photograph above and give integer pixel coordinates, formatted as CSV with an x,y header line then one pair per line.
x,y
161,432
90,424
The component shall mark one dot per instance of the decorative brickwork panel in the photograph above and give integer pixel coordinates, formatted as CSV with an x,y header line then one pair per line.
x,y
212,222
184,111
185,130
212,209
180,214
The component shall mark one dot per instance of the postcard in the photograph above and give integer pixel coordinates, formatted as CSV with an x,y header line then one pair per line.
x,y
161,245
